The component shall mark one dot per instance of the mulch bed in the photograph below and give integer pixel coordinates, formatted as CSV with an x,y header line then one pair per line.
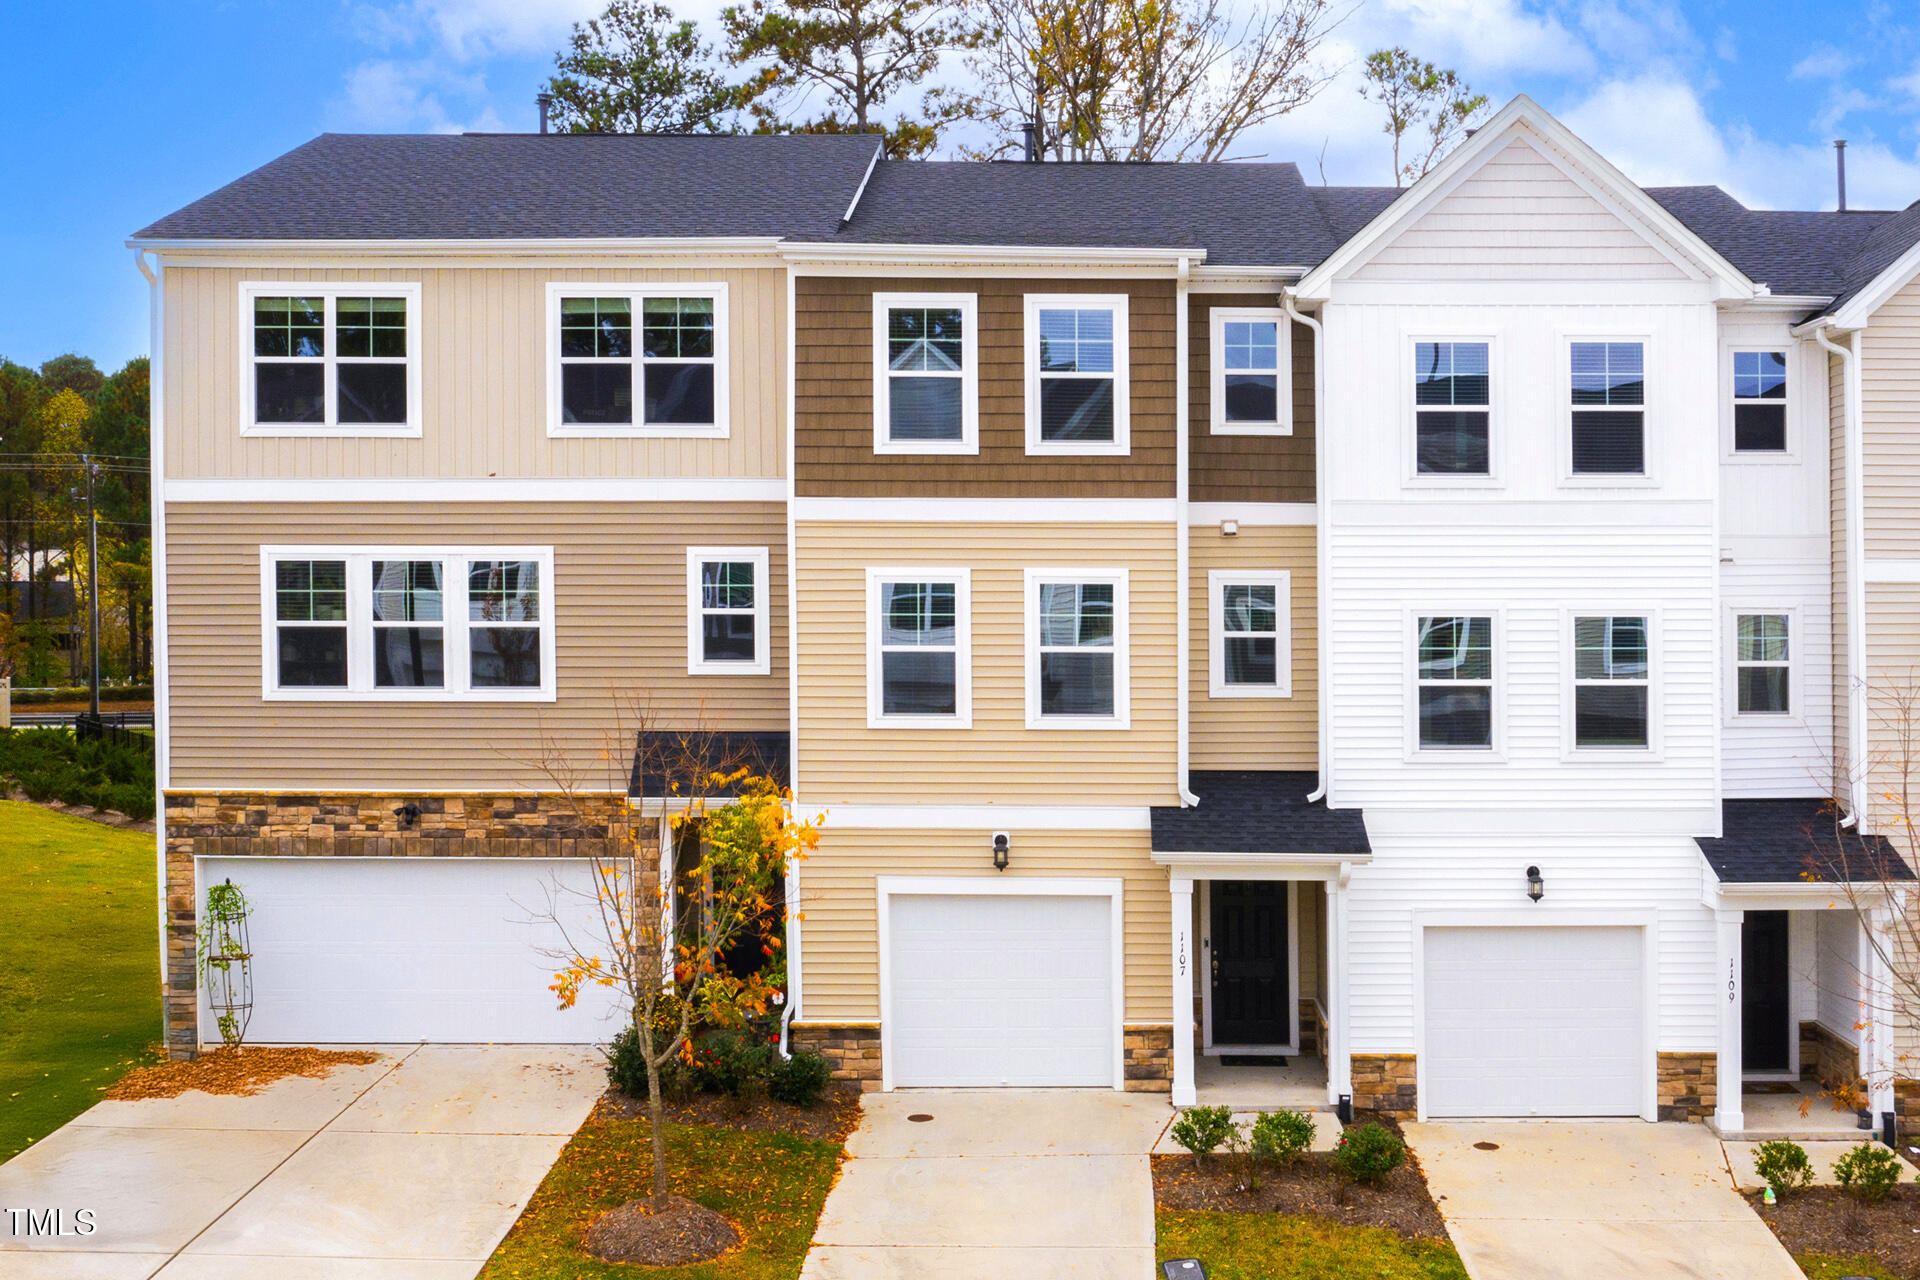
x,y
686,1232
242,1070
1828,1220
1309,1185
837,1115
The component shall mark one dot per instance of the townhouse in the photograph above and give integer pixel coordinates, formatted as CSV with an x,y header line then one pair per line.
x,y
1409,636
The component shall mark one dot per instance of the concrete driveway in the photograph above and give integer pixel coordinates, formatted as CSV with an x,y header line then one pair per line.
x,y
1004,1183
1570,1201
411,1167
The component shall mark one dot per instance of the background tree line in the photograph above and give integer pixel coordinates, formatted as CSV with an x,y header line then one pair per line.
x,y
54,422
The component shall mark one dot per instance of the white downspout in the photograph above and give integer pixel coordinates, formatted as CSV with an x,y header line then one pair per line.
x,y
1182,591
157,507
1323,519
1856,556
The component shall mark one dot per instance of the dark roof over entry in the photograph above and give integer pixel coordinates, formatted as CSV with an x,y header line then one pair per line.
x,y
1795,842
1253,811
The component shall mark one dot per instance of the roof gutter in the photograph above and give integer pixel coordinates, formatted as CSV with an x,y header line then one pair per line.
x,y
1855,559
1323,520
989,254
434,248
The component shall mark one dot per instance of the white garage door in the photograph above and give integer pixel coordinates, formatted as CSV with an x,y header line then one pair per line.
x,y
991,990
1534,1022
359,950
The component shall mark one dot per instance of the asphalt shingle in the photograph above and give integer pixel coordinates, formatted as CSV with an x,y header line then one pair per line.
x,y
1794,842
1257,811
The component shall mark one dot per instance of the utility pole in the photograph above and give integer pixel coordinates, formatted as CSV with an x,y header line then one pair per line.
x,y
93,592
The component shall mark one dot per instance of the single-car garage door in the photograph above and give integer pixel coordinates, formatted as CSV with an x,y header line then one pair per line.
x,y
1534,1021
369,950
986,990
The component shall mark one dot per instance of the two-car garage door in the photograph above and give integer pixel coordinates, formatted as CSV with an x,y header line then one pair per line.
x,y
1534,1021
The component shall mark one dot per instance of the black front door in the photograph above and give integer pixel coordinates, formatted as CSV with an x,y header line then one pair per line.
x,y
1764,1043
1248,933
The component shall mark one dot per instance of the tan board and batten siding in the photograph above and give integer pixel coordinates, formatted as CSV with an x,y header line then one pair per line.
x,y
833,397
1254,733
620,615
999,760
1246,468
483,371
840,914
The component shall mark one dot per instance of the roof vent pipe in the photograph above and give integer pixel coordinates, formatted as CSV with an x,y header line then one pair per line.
x,y
545,103
1030,131
1840,166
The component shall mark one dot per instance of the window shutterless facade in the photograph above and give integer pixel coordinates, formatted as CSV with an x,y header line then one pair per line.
x,y
1612,682
1076,371
637,361
330,359
1077,649
1453,413
407,623
919,649
1250,382
1454,682
727,611
1608,397
1759,402
1763,664
926,377
1249,634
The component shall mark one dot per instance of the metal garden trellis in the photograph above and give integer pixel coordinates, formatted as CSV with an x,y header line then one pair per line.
x,y
226,959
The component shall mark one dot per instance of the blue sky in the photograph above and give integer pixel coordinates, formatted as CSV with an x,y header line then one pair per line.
x,y
117,112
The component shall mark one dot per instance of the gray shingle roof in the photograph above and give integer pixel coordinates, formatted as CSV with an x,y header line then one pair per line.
x,y
1790,252
1252,811
679,762
1794,842
344,186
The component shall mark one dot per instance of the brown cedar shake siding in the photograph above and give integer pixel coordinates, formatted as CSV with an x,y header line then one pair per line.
x,y
833,397
1246,468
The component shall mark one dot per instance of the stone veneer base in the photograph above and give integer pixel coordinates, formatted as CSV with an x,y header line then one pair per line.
x,y
1686,1088
1385,1084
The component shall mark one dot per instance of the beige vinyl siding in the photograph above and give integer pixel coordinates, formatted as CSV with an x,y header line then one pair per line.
x,y
483,371
1254,733
839,931
1893,705
1519,217
619,601
1890,406
998,760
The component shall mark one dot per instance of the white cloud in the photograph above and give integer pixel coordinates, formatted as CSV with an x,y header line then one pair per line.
x,y
1824,63
412,96
1908,86
1482,36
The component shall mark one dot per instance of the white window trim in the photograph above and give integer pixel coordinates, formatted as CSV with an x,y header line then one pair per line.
x,y
1646,477
638,293
1217,318
331,291
360,627
1795,713
1122,716
1762,457
1282,582
1569,732
1417,479
969,307
1496,749
1117,303
962,580
762,664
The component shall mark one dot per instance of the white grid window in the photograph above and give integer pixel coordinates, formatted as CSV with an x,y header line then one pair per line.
x,y
1250,391
925,396
1609,419
1611,682
1454,682
918,651
637,361
1759,402
330,359
1249,624
1077,649
727,611
1076,363
1762,664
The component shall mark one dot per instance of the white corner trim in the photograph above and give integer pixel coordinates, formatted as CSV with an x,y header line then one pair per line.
x,y
988,817
991,510
762,612
478,489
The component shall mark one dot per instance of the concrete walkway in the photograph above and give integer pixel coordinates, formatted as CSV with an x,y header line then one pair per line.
x,y
1571,1201
411,1168
1050,1183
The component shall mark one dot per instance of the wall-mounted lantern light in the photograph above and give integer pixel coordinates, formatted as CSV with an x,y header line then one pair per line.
x,y
1002,846
408,813
1536,885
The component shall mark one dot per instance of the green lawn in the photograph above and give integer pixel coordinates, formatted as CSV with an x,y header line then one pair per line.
x,y
79,966
770,1185
1827,1266
1268,1246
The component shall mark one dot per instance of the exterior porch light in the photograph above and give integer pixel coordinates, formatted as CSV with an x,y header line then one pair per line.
x,y
1002,845
408,813
1536,885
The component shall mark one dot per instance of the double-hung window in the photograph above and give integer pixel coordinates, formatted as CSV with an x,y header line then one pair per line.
x,y
1077,649
1076,358
925,387
1454,679
407,623
918,651
1762,664
1249,389
1249,651
727,612
637,361
1609,419
1611,682
1759,402
1452,409
331,359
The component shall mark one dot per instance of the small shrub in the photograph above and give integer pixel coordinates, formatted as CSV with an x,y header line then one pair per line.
x,y
1282,1135
736,1063
1201,1130
627,1070
1369,1153
801,1080
1783,1166
1869,1171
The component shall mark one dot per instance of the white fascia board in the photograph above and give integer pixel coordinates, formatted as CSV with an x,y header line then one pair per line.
x,y
490,489
887,255
990,510
1253,513
1874,294
1230,866
1225,279
986,817
1790,895
577,247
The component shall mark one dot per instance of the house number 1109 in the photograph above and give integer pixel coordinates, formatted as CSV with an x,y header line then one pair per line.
x,y
1733,986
